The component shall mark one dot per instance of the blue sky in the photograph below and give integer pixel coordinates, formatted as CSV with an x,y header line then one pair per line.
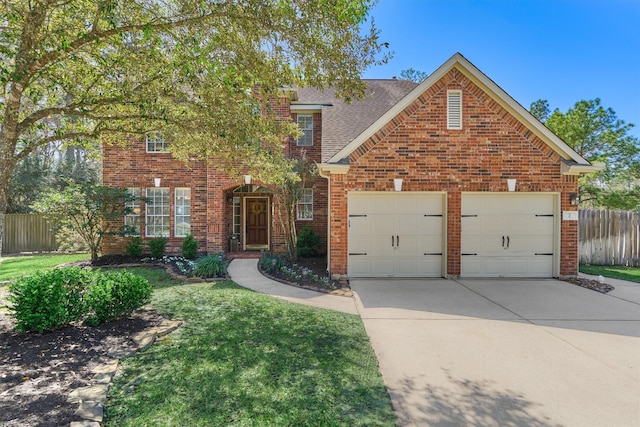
x,y
559,50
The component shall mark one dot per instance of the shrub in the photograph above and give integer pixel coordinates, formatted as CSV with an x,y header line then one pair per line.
x,y
115,294
47,301
270,263
189,247
157,246
308,242
211,266
134,247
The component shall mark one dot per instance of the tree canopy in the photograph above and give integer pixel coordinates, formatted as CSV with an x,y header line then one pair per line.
x,y
596,133
413,75
200,72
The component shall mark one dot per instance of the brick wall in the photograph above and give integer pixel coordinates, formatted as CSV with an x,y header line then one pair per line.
x,y
417,146
211,190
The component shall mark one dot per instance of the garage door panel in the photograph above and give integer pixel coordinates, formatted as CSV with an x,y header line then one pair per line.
x,y
396,232
512,235
359,226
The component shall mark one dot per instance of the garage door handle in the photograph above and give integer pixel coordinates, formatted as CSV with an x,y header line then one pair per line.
x,y
507,241
397,241
392,245
503,241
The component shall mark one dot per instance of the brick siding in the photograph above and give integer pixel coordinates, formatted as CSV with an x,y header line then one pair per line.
x,y
417,146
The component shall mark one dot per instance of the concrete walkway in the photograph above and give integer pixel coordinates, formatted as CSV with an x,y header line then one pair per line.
x,y
245,273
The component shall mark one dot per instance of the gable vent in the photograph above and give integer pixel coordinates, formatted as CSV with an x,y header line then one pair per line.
x,y
454,109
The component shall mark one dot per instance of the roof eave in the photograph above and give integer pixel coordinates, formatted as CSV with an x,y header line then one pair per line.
x,y
571,168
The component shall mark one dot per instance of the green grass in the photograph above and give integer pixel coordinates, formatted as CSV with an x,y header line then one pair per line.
x,y
631,274
14,267
246,359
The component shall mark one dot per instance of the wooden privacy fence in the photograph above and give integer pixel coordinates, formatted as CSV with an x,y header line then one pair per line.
x,y
27,233
609,238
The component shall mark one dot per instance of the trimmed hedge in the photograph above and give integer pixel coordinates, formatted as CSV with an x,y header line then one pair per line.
x,y
47,301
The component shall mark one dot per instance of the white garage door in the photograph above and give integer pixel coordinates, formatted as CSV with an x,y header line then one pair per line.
x,y
508,235
395,234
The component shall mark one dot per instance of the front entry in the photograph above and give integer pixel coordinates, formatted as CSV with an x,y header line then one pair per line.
x,y
256,223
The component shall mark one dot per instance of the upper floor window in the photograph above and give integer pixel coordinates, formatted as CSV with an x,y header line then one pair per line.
x,y
454,109
156,143
304,207
305,123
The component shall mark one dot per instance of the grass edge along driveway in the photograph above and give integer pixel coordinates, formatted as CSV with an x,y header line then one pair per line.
x,y
247,359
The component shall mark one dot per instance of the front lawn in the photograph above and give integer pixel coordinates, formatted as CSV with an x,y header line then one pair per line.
x,y
248,359
631,274
15,266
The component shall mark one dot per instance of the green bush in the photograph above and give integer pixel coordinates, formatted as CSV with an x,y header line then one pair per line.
x,y
47,301
157,246
134,247
308,242
211,266
270,263
115,294
189,247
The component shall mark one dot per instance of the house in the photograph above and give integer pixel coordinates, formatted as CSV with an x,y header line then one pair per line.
x,y
449,177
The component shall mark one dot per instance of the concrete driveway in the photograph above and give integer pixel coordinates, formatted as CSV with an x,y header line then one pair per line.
x,y
505,352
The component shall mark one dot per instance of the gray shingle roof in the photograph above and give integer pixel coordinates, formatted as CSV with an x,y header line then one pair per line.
x,y
341,122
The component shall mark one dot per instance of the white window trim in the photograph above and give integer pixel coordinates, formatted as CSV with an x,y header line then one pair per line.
x,y
454,109
148,205
307,131
156,142
175,211
301,202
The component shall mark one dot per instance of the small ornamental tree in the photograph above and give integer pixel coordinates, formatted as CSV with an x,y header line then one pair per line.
x,y
288,193
91,211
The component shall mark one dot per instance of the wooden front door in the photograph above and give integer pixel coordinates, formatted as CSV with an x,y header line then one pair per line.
x,y
257,223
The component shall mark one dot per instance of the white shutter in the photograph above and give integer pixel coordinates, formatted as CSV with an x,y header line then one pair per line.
x,y
454,109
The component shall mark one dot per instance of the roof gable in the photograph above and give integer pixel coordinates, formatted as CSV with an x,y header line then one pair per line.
x,y
488,86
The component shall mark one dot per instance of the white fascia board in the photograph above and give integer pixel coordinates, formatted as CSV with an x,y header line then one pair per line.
x,y
577,169
296,108
327,169
504,99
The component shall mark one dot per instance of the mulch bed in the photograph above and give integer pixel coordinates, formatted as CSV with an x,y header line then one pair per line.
x,y
314,266
594,285
38,371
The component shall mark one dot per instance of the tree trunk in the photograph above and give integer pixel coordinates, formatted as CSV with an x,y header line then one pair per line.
x,y
4,187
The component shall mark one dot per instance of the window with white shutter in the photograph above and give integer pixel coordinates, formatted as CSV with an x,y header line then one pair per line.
x,y
454,109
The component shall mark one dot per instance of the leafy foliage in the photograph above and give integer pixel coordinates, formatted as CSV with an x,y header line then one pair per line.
x,y
299,172
271,262
308,242
189,247
89,211
211,266
47,301
596,133
84,71
115,294
134,247
157,246
50,300
413,75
